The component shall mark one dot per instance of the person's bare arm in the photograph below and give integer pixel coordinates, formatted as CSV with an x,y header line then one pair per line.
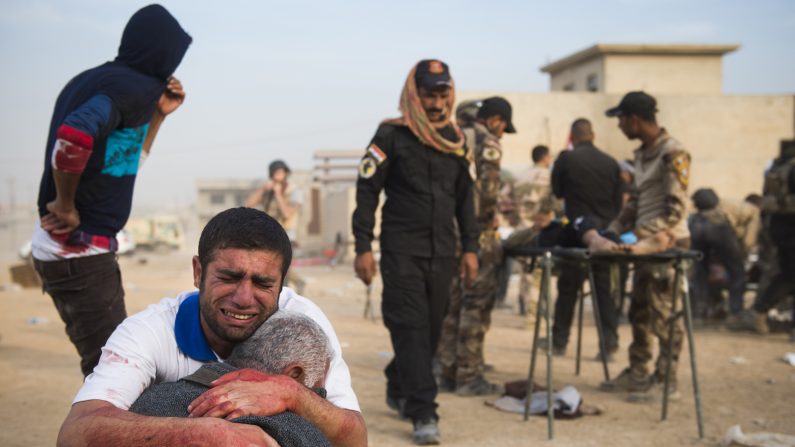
x,y
63,216
287,209
99,423
597,243
169,101
255,198
248,392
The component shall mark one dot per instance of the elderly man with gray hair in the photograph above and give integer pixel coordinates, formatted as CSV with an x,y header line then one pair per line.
x,y
287,343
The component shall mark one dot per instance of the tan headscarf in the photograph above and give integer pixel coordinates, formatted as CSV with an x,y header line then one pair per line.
x,y
413,115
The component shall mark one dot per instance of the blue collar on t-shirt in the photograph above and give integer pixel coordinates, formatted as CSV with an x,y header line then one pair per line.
x,y
188,331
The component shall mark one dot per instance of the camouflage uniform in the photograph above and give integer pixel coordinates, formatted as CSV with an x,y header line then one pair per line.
x,y
745,220
532,194
662,172
271,207
469,312
531,189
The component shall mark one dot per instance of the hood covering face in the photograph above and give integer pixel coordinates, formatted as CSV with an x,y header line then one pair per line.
x,y
153,42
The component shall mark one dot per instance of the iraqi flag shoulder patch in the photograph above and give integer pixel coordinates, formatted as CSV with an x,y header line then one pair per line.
x,y
378,155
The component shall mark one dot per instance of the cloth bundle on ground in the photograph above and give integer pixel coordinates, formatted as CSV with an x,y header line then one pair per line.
x,y
567,402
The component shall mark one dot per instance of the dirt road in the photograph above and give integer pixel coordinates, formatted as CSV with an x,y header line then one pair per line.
x,y
743,379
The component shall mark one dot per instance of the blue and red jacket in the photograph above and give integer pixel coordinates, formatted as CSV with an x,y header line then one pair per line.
x,y
106,110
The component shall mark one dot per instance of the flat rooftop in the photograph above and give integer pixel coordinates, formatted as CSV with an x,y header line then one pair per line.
x,y
602,49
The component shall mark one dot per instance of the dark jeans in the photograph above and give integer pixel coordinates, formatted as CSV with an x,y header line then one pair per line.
x,y
570,283
89,297
415,297
783,284
719,244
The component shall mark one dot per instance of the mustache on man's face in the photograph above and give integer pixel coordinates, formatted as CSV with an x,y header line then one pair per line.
x,y
435,110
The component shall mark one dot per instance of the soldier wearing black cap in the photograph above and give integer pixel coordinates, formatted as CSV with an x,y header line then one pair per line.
x,y
469,313
657,209
420,161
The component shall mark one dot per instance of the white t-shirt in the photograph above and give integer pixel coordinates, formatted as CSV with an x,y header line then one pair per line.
x,y
143,350
45,248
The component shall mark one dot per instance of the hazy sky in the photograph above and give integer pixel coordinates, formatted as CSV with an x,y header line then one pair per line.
x,y
282,79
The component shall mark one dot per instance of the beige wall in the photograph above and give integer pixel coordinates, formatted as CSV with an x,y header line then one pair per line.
x,y
578,75
731,138
671,74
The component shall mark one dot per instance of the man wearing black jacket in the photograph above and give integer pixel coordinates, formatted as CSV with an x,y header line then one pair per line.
x,y
420,161
589,181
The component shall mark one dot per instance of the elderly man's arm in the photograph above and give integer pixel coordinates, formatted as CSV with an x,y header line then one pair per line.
x,y
341,426
99,423
249,392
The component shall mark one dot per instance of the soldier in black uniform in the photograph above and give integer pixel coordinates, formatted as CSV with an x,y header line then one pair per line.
x,y
420,160
589,181
711,233
778,209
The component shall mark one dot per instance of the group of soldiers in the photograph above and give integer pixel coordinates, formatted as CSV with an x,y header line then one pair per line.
x,y
746,242
443,187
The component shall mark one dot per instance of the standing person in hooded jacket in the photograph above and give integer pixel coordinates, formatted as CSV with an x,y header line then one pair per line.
x,y
103,126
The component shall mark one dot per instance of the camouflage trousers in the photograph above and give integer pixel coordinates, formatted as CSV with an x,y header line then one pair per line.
x,y
469,316
527,294
650,314
521,237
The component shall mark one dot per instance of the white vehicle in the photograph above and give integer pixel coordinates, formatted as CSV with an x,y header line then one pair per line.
x,y
159,233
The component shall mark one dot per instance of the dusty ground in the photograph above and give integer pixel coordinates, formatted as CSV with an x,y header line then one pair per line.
x,y
40,372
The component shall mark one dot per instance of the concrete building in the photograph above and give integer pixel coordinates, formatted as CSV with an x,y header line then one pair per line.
x,y
216,195
662,69
730,137
325,195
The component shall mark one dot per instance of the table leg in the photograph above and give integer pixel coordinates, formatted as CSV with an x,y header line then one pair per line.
x,y
597,317
542,292
671,325
550,390
693,364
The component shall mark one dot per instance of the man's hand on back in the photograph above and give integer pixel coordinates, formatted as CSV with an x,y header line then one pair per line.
x,y
246,392
60,219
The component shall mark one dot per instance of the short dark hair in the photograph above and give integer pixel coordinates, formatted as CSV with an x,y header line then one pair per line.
x,y
754,199
539,152
244,228
275,166
705,199
581,128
